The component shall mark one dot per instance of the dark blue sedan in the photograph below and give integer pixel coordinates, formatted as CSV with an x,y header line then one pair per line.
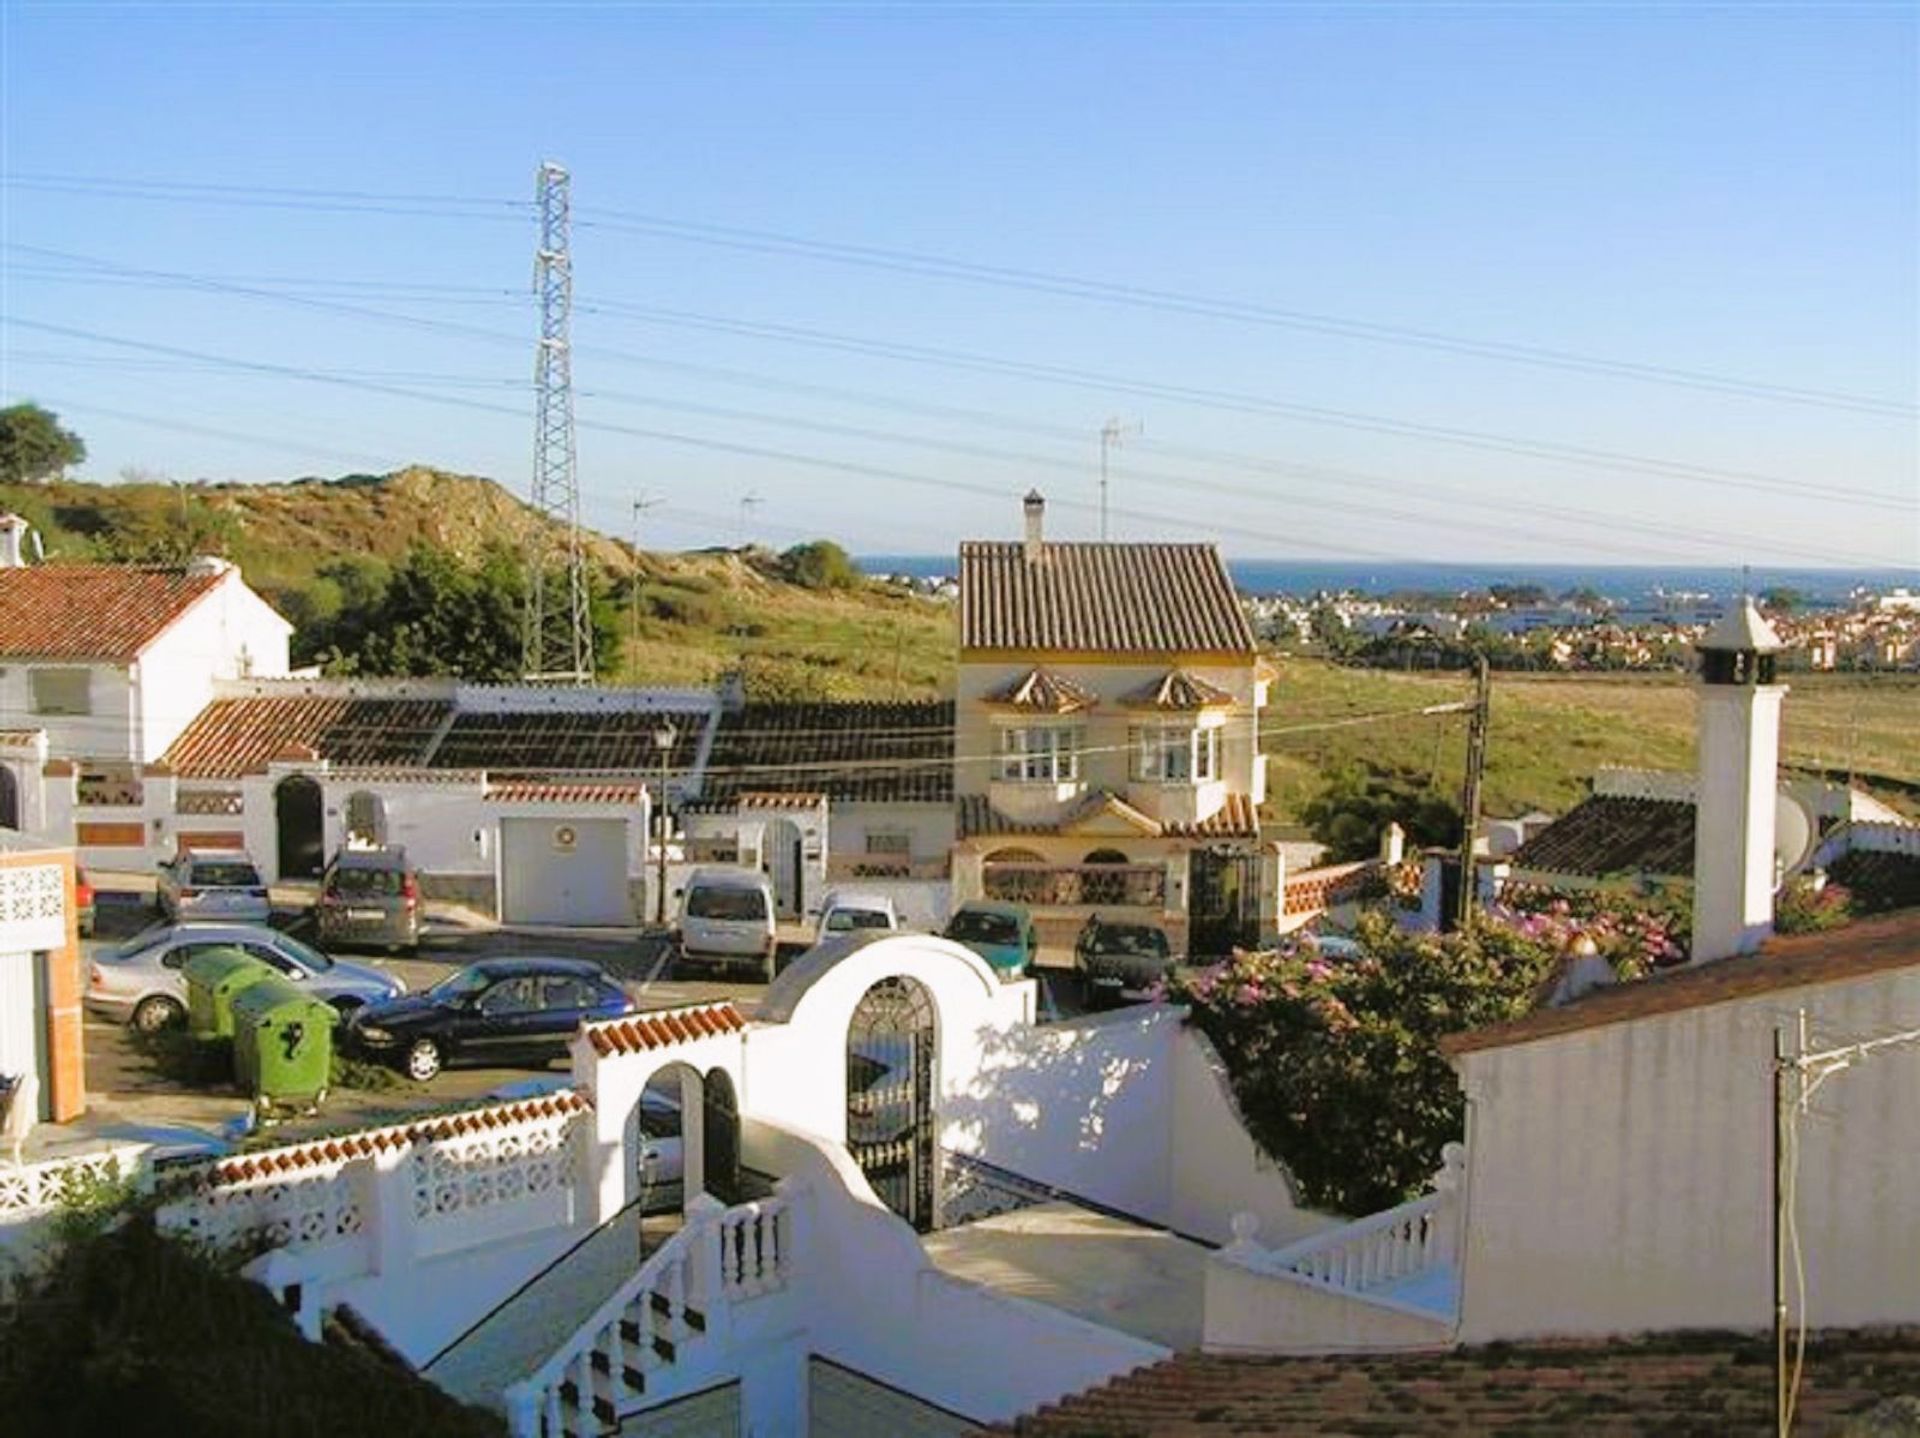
x,y
495,1012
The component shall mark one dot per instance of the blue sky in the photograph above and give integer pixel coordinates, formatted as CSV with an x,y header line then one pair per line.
x,y
1727,192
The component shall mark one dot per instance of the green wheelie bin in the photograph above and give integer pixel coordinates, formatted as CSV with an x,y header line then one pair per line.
x,y
214,978
282,1045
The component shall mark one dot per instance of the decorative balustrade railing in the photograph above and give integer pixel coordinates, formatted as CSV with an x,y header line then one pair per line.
x,y
1076,886
209,801
679,1298
312,1205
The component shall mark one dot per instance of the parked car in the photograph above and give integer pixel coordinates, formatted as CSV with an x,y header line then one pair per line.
x,y
496,1011
1337,946
212,884
83,902
1120,960
726,918
141,980
1002,934
662,1155
848,911
370,897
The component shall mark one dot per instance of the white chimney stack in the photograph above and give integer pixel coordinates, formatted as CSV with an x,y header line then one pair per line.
x,y
1036,510
1739,743
1393,844
13,533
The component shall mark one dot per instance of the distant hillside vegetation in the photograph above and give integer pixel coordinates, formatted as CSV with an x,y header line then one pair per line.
x,y
326,552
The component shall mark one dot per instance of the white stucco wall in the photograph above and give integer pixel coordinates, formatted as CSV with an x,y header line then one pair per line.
x,y
110,731
1131,1110
232,633
1620,1177
930,828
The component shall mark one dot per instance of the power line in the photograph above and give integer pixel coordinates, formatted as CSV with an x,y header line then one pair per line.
x,y
949,268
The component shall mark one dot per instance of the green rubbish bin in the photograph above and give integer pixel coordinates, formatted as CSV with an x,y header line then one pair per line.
x,y
282,1044
214,977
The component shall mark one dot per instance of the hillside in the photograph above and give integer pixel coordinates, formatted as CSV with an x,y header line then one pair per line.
x,y
1550,732
304,544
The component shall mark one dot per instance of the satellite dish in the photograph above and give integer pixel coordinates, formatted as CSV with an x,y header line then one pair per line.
x,y
1794,834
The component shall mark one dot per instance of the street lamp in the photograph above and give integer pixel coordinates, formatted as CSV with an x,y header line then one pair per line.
x,y
663,738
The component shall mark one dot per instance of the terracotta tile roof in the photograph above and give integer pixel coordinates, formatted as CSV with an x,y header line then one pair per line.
x,y
1177,690
851,752
539,791
1100,598
1869,946
1610,834
977,818
1878,881
1039,691
663,1028
798,799
231,737
1677,1383
577,740
10,737
364,1143
93,611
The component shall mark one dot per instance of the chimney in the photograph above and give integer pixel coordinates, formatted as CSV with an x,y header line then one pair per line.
x,y
202,566
13,531
1393,844
1036,510
1739,754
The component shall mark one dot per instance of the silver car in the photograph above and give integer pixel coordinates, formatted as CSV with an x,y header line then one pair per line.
x,y
212,884
141,980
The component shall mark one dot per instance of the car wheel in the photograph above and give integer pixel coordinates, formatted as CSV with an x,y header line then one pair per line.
x,y
151,1015
423,1060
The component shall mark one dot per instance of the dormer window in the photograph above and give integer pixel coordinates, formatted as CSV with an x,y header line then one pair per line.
x,y
1175,754
1040,754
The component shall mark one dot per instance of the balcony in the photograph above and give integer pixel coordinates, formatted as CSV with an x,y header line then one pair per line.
x,y
1077,886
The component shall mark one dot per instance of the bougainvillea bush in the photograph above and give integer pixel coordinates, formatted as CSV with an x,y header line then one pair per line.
x,y
1636,933
1336,1064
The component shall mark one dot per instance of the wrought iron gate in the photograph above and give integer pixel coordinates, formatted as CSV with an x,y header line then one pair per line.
x,y
1223,905
890,1119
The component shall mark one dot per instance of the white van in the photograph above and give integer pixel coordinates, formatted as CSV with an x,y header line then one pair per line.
x,y
845,911
726,918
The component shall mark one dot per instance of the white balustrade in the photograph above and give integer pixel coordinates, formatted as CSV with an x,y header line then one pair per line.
x,y
755,1246
311,1206
27,1187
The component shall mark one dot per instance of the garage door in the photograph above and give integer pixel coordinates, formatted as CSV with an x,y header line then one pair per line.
x,y
564,871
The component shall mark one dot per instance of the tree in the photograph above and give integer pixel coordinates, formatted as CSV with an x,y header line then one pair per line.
x,y
1359,802
820,564
1783,599
34,447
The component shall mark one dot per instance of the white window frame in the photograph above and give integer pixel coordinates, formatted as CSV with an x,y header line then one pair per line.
x,y
1039,754
1175,753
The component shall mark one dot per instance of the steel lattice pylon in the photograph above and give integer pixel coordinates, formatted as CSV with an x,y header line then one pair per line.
x,y
559,630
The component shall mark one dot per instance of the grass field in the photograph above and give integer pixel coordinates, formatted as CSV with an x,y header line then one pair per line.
x,y
1551,731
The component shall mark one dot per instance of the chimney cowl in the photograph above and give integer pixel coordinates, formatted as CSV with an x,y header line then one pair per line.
x,y
1035,508
13,534
202,565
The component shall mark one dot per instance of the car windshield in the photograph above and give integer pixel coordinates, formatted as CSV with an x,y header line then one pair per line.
x,y
1129,939
842,921
461,983
146,939
224,874
365,883
983,928
726,904
303,953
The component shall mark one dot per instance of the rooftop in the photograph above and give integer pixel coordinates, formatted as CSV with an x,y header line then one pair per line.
x,y
1867,947
1614,834
231,737
94,611
850,752
1662,1383
1100,599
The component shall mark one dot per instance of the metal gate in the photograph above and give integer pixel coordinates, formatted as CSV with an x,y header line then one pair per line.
x,y
1224,902
890,1118
300,828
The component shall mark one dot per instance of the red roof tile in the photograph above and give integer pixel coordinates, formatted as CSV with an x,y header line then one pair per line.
x,y
231,737
1100,598
663,1028
853,752
93,611
1237,818
1179,691
536,791
1040,691
1672,1383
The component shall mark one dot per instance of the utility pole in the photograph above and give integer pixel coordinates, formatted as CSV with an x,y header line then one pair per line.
x,y
1782,1116
1111,435
748,503
640,507
558,636
1470,796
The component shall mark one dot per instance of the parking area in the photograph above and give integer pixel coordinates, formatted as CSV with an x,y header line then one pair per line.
x,y
129,1088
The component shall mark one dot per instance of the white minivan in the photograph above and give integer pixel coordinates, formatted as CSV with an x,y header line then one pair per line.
x,y
845,911
726,918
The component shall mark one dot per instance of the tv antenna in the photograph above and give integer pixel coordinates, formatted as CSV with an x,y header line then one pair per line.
x,y
1112,434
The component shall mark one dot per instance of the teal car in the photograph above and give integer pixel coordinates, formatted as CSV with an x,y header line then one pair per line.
x,y
1002,934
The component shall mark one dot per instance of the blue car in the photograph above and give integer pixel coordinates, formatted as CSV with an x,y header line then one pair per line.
x,y
495,1012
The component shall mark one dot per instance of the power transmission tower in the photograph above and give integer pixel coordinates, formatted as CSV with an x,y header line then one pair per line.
x,y
558,645
1111,434
1470,796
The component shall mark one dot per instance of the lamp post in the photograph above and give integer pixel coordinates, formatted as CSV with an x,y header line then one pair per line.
x,y
663,738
